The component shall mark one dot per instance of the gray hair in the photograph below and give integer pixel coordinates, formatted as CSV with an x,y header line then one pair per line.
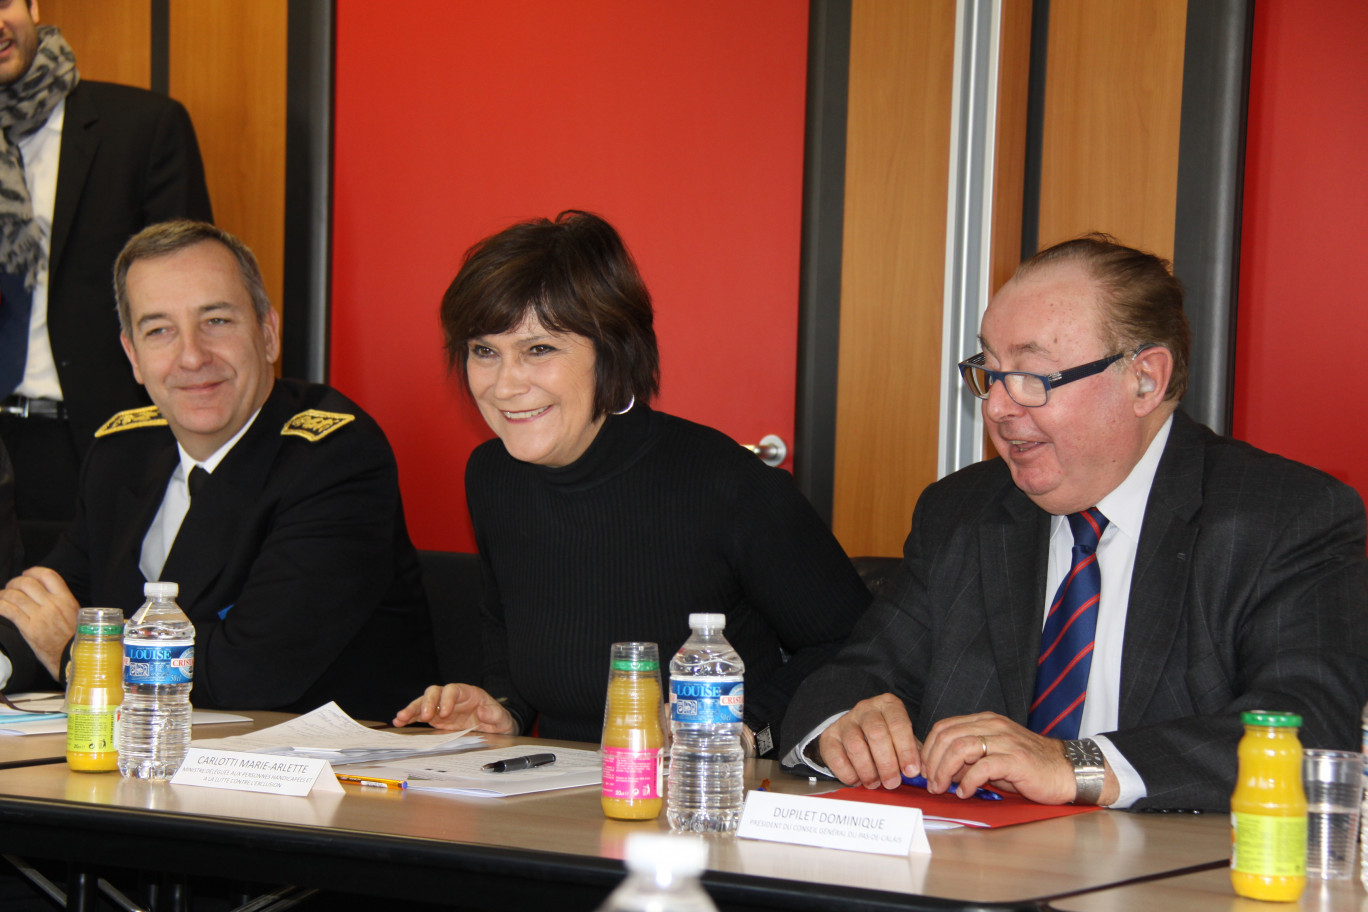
x,y
166,238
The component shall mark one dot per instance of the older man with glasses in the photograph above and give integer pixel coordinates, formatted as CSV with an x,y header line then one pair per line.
x,y
1084,619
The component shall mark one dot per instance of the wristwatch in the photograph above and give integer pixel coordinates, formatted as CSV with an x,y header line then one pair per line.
x,y
1089,769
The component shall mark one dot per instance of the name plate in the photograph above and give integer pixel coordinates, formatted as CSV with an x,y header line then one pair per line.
x,y
833,824
255,772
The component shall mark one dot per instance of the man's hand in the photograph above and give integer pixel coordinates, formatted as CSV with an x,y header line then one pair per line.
x,y
457,707
43,609
988,749
872,745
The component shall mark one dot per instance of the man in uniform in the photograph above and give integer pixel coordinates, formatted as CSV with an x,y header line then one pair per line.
x,y
274,504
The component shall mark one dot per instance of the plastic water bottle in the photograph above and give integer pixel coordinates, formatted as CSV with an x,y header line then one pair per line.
x,y
159,666
1363,807
707,761
662,876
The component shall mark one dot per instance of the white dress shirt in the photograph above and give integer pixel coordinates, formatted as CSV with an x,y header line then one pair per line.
x,y
1124,508
41,151
161,535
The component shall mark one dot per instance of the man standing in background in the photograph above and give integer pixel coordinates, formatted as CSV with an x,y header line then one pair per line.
x,y
83,165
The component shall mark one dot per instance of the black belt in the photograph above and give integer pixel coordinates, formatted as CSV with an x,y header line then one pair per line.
x,y
24,407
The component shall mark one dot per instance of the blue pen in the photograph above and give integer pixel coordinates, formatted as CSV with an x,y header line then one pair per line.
x,y
985,794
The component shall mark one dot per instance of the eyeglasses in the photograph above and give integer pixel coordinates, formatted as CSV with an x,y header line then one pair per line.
x,y
1027,389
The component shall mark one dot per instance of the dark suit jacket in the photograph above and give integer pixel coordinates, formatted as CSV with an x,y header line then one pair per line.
x,y
294,562
129,159
1250,591
11,550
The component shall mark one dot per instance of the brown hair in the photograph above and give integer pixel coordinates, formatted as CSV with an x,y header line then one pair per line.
x,y
166,238
576,276
1142,301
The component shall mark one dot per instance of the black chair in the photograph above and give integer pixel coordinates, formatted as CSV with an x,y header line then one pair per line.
x,y
876,571
454,584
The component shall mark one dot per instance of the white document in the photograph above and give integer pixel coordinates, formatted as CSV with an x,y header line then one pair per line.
x,y
55,723
34,704
833,824
461,774
330,734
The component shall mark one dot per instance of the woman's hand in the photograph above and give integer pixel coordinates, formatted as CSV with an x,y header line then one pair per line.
x,y
457,707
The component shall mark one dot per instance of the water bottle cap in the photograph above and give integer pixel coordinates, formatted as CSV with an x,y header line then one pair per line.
x,y
161,590
682,855
715,621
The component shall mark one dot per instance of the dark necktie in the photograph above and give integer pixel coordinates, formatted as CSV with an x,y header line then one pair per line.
x,y
1066,644
198,476
15,303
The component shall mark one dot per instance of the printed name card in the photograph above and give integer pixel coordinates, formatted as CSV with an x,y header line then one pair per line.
x,y
255,772
833,824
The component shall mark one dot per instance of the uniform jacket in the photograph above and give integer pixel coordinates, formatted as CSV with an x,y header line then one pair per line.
x,y
294,562
129,159
1250,591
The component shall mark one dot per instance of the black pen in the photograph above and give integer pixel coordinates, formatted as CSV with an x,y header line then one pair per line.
x,y
519,763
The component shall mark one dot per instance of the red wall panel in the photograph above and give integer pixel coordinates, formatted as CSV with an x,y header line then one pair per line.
x,y
1303,306
681,122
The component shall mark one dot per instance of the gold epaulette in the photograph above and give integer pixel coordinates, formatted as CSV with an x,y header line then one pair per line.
x,y
147,416
314,425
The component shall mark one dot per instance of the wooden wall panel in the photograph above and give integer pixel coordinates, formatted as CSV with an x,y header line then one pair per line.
x,y
893,268
1009,166
112,38
1113,98
228,68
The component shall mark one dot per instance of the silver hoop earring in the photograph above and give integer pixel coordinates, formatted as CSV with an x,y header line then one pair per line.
x,y
629,406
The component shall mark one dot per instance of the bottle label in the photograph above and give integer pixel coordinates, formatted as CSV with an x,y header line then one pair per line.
x,y
631,774
90,729
1268,846
707,701
159,661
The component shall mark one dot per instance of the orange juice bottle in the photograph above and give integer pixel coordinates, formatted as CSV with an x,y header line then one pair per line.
x,y
1268,810
632,735
94,689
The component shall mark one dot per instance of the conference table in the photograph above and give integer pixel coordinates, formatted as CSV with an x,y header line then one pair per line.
x,y
557,849
1209,891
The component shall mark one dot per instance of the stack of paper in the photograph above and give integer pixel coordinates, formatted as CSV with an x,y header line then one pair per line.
x,y
42,714
35,712
465,774
330,734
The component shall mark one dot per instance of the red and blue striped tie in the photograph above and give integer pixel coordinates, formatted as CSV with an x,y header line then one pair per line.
x,y
1066,644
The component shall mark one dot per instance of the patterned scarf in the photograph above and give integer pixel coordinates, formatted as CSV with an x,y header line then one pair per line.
x,y
25,106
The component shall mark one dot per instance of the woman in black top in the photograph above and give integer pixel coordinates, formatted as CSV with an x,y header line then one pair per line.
x,y
600,520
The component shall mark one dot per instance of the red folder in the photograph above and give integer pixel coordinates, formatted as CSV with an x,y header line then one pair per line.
x,y
1012,809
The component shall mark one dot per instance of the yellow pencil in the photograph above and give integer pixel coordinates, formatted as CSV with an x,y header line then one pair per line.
x,y
372,781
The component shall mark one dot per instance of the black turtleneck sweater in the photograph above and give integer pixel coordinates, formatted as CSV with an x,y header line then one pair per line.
x,y
659,518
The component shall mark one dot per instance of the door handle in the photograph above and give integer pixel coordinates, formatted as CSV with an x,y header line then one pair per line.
x,y
771,449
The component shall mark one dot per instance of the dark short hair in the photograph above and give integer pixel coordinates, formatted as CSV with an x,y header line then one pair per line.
x,y
576,276
165,238
1142,301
